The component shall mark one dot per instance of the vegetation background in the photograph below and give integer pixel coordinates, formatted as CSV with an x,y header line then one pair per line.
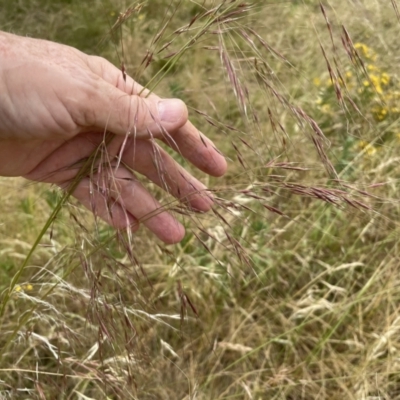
x,y
290,288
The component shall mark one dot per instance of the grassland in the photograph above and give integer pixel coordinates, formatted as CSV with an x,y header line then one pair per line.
x,y
290,290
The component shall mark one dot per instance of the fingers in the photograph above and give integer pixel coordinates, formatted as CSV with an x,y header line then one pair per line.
x,y
121,201
198,149
143,156
143,206
150,160
106,107
187,140
102,206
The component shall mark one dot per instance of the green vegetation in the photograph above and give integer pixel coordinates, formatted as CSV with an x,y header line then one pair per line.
x,y
290,290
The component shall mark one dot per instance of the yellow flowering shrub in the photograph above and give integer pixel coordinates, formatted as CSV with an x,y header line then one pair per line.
x,y
365,94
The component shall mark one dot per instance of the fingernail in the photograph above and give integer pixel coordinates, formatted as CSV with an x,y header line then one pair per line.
x,y
170,110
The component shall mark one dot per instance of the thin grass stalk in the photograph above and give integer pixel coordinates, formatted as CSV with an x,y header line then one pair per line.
x,y
160,75
83,171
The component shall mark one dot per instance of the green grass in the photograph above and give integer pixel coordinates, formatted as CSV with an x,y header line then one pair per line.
x,y
307,307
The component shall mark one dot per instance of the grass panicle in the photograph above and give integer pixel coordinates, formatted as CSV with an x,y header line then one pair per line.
x,y
289,287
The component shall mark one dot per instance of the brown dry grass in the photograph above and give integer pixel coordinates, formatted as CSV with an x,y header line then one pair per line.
x,y
288,291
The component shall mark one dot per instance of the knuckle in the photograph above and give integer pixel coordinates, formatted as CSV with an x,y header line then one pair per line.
x,y
84,111
134,112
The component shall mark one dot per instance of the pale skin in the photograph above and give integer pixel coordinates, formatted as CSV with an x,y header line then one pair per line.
x,y
56,103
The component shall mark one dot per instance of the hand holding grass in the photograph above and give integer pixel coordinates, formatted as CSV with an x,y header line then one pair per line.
x,y
56,105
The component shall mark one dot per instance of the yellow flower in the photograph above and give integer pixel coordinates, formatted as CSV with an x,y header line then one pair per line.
x,y
20,288
380,113
370,150
366,51
376,82
362,144
367,147
374,78
372,68
326,108
385,78
360,46
317,82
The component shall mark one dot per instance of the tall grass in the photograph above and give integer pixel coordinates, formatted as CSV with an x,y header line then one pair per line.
x,y
288,289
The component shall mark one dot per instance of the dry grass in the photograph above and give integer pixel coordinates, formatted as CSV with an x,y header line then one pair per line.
x,y
290,289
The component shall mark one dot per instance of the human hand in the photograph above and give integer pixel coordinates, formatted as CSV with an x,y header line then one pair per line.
x,y
57,103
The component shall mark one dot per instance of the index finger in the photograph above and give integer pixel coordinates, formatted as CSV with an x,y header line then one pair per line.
x,y
198,149
187,140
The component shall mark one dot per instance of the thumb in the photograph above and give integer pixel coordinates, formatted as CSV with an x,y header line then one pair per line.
x,y
122,113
